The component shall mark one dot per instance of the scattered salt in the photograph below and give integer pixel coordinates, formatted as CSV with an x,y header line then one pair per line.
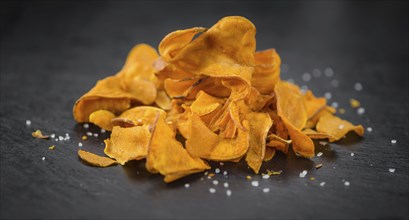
x,y
217,170
60,138
103,130
254,183
95,134
228,192
341,126
393,141
79,144
215,182
369,129
346,183
28,122
187,185
225,173
88,133
323,143
328,72
316,73
212,190
226,185
43,158
328,95
391,170
319,154
322,183
306,77
360,111
303,173
334,104
266,176
52,136
221,163
86,125
56,139
266,190
358,86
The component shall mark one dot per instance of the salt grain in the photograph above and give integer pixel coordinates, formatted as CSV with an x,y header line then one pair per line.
x,y
89,133
341,126
319,154
225,173
322,183
393,141
228,192
103,130
52,136
217,170
86,126
358,86
60,138
28,122
221,163
328,72
212,190
215,182
205,173
306,77
56,139
254,183
43,158
266,176
304,88
95,134
226,185
328,95
303,173
346,183
323,143
369,129
79,144
352,154
334,104
391,170
187,185
316,73
266,190
360,111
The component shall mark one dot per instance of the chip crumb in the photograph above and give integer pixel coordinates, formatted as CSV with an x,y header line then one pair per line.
x,y
38,134
318,166
322,183
312,178
266,190
270,172
226,185
346,183
303,173
86,125
354,103
360,111
28,122
210,175
215,182
84,137
358,86
228,192
212,190
254,183
319,154
341,111
52,147
393,141
266,176
391,170
248,177
217,170
187,185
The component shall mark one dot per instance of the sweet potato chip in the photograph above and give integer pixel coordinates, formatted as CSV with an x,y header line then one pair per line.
x,y
314,105
290,104
102,118
260,124
204,104
267,71
269,154
336,127
168,157
95,160
316,135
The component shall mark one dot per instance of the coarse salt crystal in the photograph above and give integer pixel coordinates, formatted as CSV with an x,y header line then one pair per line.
x,y
226,185
187,185
360,111
369,129
334,104
303,173
228,192
323,143
328,72
221,163
52,136
391,170
217,170
393,141
28,122
56,139
341,126
95,134
205,173
358,86
328,95
319,154
212,190
322,183
103,130
304,89
225,173
346,183
266,176
79,144
266,190
43,158
88,133
215,182
352,154
86,125
254,183
306,77
60,138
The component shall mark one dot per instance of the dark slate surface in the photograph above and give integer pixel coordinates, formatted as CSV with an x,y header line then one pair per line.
x,y
51,53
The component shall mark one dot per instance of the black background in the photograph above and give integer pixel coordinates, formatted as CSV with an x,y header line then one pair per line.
x,y
52,53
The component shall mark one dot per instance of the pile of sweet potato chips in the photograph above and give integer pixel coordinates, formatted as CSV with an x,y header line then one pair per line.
x,y
213,88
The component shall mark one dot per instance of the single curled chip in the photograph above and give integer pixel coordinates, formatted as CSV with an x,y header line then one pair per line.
x,y
337,128
95,160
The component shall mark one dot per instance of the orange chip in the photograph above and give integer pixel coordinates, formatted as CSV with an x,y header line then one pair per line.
x,y
269,154
38,134
314,105
204,104
95,160
267,71
316,135
290,104
337,128
102,118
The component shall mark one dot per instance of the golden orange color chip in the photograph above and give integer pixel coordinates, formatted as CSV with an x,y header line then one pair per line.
x,y
95,160
38,134
354,103
167,156
211,86
102,118
337,128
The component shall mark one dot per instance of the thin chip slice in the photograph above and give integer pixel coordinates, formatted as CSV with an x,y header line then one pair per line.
x,y
260,124
38,134
95,160
316,135
205,103
337,128
269,154
102,118
314,105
